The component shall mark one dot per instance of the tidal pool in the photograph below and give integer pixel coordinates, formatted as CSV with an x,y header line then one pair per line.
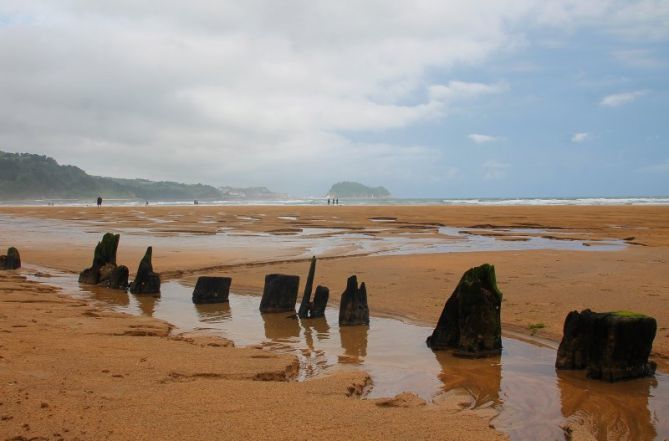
x,y
531,399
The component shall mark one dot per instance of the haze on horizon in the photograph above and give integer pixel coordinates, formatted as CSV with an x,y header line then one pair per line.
x,y
427,98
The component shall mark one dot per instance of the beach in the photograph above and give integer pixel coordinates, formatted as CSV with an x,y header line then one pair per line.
x,y
70,363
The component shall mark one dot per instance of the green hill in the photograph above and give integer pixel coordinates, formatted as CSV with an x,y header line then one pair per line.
x,y
30,176
348,189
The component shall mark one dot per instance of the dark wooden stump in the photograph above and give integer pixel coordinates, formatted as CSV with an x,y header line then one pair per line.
x,y
611,346
353,309
211,290
280,293
12,260
470,322
146,281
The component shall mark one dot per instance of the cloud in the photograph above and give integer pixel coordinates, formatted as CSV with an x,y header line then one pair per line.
x,y
619,99
482,139
495,170
580,137
258,92
457,90
639,58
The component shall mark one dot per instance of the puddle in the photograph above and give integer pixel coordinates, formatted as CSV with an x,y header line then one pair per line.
x,y
462,241
531,399
383,219
301,242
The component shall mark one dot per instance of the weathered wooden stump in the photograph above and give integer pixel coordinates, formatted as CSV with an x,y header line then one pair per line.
x,y
610,346
211,290
315,309
118,278
305,305
279,293
104,270
470,322
353,309
320,302
146,281
12,260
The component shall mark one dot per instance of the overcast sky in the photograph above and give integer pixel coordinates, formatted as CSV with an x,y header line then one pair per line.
x,y
428,98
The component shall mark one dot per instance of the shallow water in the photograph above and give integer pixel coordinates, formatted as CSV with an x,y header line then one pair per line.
x,y
303,242
531,399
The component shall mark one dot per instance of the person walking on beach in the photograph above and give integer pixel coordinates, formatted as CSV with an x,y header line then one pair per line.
x,y
328,201
99,201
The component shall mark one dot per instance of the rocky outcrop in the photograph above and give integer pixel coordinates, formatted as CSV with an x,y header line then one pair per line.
x,y
353,309
610,346
279,293
146,281
211,290
104,270
12,260
315,309
470,322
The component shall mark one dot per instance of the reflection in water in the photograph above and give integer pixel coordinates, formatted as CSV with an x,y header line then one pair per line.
x,y
522,385
147,303
531,408
318,326
110,296
281,327
354,342
213,312
620,414
479,378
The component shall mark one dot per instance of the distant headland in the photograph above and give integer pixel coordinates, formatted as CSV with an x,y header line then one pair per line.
x,y
347,189
29,176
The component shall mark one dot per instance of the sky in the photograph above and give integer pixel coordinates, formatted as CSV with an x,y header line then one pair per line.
x,y
429,98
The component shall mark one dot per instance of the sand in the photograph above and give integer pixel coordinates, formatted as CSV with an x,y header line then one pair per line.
x,y
60,348
71,371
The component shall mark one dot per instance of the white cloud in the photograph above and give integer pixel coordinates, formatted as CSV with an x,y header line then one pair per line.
x,y
495,170
457,90
640,58
619,99
580,137
482,139
252,92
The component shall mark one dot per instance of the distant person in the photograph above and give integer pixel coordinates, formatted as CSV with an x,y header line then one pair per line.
x,y
99,201
328,201
146,204
195,202
337,203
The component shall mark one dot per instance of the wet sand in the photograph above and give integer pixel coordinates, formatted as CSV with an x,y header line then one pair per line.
x,y
531,399
70,371
540,285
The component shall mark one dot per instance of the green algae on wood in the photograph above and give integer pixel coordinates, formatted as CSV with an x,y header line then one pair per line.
x,y
470,322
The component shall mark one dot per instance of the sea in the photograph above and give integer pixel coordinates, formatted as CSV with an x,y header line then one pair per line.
x,y
307,201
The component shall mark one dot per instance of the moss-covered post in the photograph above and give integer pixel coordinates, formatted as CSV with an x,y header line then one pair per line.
x,y
610,346
470,322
